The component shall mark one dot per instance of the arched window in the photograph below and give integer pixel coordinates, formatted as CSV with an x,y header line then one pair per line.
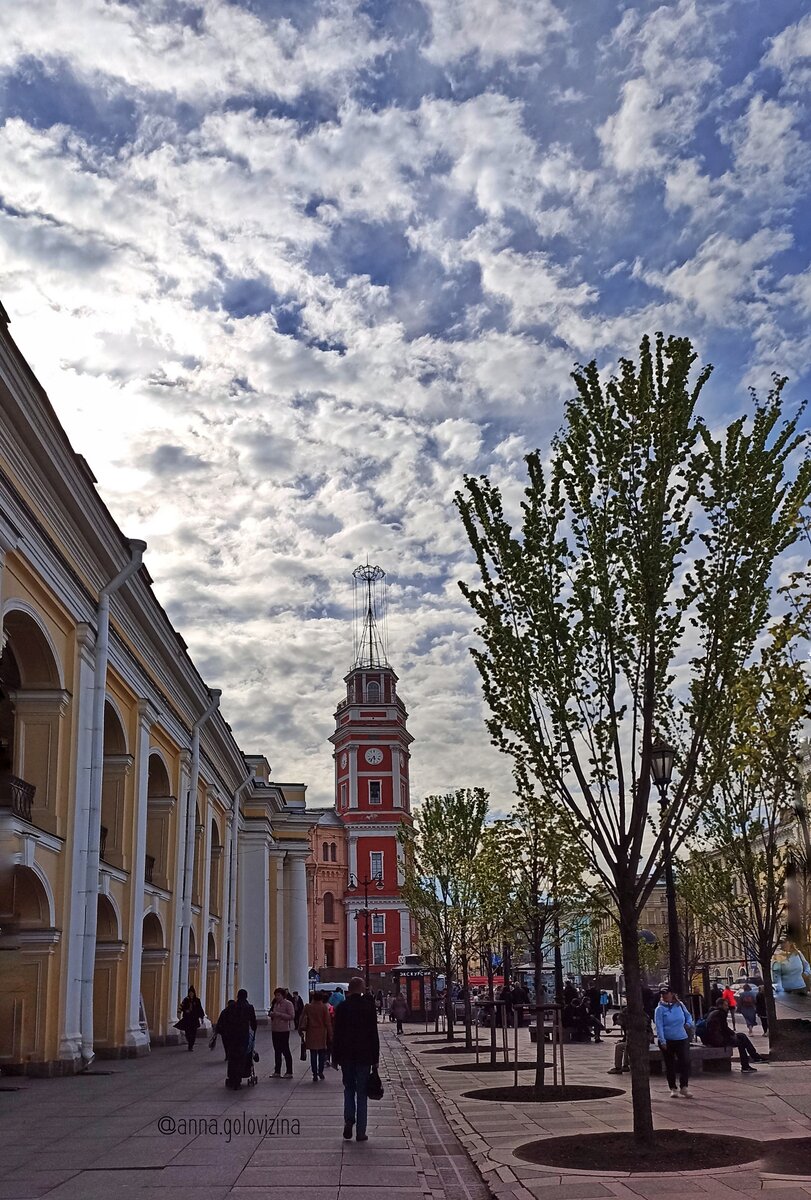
x,y
372,693
325,852
329,908
333,852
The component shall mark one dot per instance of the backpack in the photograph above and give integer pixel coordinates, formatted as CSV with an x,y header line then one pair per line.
x,y
701,1028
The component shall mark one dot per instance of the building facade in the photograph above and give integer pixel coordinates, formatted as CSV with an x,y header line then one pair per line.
x,y
372,756
140,851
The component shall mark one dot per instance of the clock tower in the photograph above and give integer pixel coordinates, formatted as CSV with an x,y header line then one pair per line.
x,y
372,798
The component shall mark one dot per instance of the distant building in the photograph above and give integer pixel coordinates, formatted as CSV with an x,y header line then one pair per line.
x,y
140,850
372,802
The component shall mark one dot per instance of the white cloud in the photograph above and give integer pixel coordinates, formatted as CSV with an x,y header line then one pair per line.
x,y
492,30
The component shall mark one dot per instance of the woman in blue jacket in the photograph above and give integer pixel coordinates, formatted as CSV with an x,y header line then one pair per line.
x,y
674,1029
790,969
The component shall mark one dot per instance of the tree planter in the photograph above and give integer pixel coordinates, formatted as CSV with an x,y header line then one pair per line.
x,y
488,1066
526,1094
675,1150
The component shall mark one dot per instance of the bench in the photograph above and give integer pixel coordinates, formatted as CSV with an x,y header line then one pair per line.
x,y
709,1058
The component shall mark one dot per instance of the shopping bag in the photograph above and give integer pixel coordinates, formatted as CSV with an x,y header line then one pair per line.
x,y
374,1088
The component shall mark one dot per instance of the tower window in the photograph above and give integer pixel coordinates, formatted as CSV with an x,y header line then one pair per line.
x,y
325,852
376,863
379,953
378,922
373,693
333,852
344,795
329,908
375,792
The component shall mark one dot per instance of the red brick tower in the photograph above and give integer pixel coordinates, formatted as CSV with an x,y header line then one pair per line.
x,y
372,786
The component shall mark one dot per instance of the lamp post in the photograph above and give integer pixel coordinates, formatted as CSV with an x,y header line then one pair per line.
x,y
661,769
365,883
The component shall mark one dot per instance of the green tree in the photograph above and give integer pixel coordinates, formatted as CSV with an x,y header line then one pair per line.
x,y
438,888
491,914
748,841
629,600
544,862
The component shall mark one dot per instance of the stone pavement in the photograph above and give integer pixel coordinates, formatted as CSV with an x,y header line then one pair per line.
x,y
91,1136
774,1103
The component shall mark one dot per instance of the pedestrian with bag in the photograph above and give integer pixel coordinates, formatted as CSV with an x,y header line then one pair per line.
x,y
315,1028
747,1006
282,1021
191,1017
235,1025
399,1010
674,1029
356,1049
790,970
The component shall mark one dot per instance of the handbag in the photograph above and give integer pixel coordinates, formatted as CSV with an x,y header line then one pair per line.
x,y
374,1088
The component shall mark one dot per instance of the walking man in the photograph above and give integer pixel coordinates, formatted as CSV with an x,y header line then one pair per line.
x,y
356,1049
282,1018
674,1028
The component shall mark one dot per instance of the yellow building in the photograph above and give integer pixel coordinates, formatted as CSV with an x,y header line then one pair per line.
x,y
140,851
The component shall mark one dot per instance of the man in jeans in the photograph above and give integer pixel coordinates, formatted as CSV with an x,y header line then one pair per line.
x,y
674,1028
282,1018
356,1049
718,1033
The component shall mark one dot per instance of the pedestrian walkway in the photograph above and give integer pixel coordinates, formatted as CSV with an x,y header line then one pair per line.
x,y
167,1121
771,1104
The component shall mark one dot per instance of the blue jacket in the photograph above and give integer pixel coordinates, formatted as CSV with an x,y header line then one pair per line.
x,y
673,1022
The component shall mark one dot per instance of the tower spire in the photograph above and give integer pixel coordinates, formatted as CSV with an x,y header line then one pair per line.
x,y
369,587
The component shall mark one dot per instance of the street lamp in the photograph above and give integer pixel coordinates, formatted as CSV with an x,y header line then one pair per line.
x,y
365,883
661,769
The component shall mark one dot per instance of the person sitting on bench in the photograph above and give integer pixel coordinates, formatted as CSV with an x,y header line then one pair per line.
x,y
718,1033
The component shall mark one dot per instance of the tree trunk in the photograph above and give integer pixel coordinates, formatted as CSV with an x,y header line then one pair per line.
x,y
448,996
765,963
466,993
537,951
636,1032
491,994
558,960
506,967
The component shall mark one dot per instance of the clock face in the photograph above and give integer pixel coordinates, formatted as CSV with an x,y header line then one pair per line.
x,y
374,756
343,760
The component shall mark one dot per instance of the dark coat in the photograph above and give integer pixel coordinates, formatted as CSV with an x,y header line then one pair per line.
x,y
233,1024
191,1013
718,1032
355,1038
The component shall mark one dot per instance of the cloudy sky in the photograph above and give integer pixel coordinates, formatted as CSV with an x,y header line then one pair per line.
x,y
288,268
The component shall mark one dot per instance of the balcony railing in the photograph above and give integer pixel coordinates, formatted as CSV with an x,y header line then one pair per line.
x,y
149,867
102,840
17,795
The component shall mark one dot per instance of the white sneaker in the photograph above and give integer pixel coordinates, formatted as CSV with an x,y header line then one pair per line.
x,y
686,1093
674,1093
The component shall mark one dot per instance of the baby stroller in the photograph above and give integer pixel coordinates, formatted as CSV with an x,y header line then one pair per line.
x,y
245,1066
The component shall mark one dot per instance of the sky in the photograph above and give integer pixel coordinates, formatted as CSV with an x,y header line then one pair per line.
x,y
288,270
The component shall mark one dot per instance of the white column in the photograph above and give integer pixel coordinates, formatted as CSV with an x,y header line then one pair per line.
x,y
277,944
353,777
297,894
254,908
353,855
135,1036
206,904
405,932
351,938
70,1035
176,985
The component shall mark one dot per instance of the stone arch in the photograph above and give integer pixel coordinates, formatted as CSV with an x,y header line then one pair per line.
x,y
32,705
159,807
26,917
107,1033
26,901
215,870
117,766
33,647
154,957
